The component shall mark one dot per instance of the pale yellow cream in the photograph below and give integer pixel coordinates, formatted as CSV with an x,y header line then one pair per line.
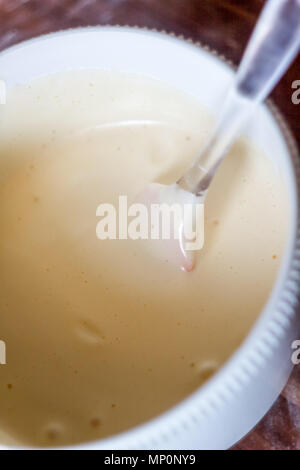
x,y
100,335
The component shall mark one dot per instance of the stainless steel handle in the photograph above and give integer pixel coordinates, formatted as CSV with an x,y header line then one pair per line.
x,y
273,45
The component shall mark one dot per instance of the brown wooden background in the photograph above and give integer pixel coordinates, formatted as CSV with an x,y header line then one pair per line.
x,y
222,24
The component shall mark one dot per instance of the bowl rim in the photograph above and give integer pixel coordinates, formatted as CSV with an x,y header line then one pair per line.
x,y
256,348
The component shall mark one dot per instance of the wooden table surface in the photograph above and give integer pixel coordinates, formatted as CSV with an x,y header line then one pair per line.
x,y
222,24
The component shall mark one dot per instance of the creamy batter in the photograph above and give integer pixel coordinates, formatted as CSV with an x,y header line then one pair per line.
x,y
100,335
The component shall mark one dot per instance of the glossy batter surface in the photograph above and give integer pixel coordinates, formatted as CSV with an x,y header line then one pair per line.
x,y
100,335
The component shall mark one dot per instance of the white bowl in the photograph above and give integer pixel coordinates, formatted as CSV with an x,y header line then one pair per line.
x,y
219,414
